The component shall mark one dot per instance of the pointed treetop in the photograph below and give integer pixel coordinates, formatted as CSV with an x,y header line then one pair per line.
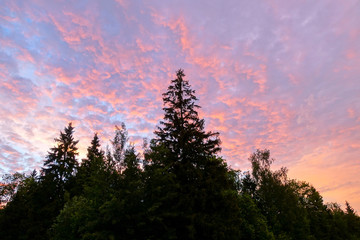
x,y
94,150
182,131
61,161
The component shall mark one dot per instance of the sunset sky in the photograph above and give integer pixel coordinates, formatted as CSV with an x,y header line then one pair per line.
x,y
282,75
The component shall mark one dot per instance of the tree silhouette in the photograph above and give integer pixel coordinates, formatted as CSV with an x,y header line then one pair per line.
x,y
182,131
186,178
61,162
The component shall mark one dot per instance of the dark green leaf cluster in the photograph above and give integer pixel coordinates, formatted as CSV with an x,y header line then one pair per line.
x,y
295,209
179,188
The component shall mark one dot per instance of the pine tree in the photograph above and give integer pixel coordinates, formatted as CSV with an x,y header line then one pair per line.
x,y
61,162
92,172
189,190
95,157
94,151
47,194
182,131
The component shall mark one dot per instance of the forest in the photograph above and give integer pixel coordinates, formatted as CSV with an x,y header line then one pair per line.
x,y
179,187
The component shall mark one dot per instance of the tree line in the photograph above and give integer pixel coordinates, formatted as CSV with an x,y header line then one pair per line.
x,y
179,188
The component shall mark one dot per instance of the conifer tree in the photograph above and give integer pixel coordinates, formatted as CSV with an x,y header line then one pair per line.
x,y
91,174
60,164
94,151
95,157
187,183
182,131
45,196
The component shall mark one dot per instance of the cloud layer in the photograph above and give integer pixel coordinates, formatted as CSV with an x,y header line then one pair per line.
x,y
269,74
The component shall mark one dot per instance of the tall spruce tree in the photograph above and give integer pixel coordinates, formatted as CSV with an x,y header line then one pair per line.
x,y
92,172
61,163
46,195
190,190
95,160
94,151
182,131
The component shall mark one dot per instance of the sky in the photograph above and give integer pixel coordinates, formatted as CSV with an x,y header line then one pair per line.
x,y
281,75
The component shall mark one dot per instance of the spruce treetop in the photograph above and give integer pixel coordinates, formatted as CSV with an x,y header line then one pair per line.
x,y
181,130
94,150
61,160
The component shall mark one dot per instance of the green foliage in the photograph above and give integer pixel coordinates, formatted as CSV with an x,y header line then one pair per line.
x,y
276,199
352,221
254,224
75,220
92,174
124,212
294,209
